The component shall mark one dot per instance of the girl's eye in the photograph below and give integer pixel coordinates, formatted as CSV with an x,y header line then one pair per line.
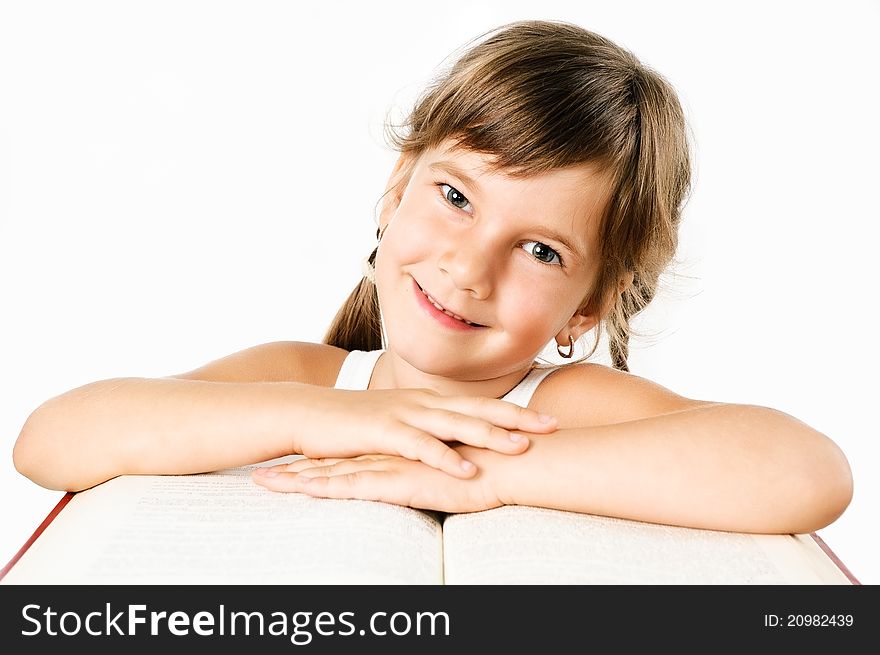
x,y
454,197
542,252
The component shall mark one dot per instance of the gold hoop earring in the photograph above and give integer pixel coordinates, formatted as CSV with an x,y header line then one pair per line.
x,y
570,348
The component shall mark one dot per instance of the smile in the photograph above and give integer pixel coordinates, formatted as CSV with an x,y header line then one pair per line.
x,y
439,312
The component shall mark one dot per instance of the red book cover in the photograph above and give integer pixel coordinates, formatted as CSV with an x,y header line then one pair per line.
x,y
834,558
46,521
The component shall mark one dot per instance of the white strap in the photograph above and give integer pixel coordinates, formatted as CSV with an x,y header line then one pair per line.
x,y
357,369
522,393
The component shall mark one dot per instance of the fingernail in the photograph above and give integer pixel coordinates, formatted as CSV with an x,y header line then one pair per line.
x,y
546,418
267,472
467,466
516,438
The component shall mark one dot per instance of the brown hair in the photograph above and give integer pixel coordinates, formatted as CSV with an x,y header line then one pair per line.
x,y
541,95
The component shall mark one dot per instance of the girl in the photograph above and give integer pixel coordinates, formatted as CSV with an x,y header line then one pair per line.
x,y
536,198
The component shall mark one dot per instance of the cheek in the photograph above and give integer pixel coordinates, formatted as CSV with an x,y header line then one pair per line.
x,y
401,248
532,310
539,309
396,250
408,238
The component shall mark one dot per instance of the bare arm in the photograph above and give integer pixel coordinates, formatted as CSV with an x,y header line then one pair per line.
x,y
229,412
633,450
245,409
720,466
139,425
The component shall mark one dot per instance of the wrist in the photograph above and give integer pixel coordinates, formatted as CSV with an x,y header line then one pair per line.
x,y
306,405
502,477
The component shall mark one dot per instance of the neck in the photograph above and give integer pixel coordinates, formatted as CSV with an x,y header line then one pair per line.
x,y
392,372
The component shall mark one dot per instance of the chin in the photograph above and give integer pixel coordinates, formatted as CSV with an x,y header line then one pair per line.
x,y
452,365
426,360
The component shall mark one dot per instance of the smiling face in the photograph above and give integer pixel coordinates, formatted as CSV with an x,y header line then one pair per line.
x,y
477,270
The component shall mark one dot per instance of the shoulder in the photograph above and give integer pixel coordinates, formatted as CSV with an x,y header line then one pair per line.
x,y
278,361
586,394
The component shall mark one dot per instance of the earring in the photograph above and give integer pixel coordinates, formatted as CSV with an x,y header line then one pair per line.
x,y
570,349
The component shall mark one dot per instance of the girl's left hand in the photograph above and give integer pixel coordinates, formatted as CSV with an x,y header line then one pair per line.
x,y
386,478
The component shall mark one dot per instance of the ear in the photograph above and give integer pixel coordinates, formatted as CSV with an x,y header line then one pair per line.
x,y
623,284
395,187
577,326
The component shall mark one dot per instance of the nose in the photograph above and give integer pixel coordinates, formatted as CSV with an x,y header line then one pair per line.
x,y
469,267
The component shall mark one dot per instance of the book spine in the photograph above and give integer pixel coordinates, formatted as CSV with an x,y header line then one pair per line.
x,y
834,558
46,521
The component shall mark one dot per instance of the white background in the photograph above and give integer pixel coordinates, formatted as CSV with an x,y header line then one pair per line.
x,y
181,180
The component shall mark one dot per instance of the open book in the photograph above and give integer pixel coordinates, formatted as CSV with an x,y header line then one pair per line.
x,y
221,528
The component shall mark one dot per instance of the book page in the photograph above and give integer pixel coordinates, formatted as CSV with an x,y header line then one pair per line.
x,y
530,545
222,528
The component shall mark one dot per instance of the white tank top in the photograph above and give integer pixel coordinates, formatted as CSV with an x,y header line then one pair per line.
x,y
357,369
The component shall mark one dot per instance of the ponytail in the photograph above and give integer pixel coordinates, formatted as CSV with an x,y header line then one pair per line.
x,y
619,349
358,323
631,302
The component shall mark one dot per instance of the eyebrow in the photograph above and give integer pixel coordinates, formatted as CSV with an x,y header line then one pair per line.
x,y
567,244
451,168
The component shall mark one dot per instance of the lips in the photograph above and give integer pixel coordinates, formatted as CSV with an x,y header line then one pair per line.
x,y
441,308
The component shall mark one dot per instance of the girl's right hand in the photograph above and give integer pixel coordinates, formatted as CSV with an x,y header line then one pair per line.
x,y
416,424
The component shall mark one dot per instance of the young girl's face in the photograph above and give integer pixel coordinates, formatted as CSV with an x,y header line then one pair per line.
x,y
477,271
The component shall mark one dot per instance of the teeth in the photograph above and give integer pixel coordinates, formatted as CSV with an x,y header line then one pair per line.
x,y
446,311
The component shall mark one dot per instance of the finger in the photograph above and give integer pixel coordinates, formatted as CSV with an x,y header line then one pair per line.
x,y
303,463
427,448
504,414
276,480
475,431
261,474
361,484
282,475
344,466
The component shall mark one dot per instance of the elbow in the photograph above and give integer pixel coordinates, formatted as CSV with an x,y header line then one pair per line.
x,y
67,443
823,489
805,482
25,455
836,487
32,454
